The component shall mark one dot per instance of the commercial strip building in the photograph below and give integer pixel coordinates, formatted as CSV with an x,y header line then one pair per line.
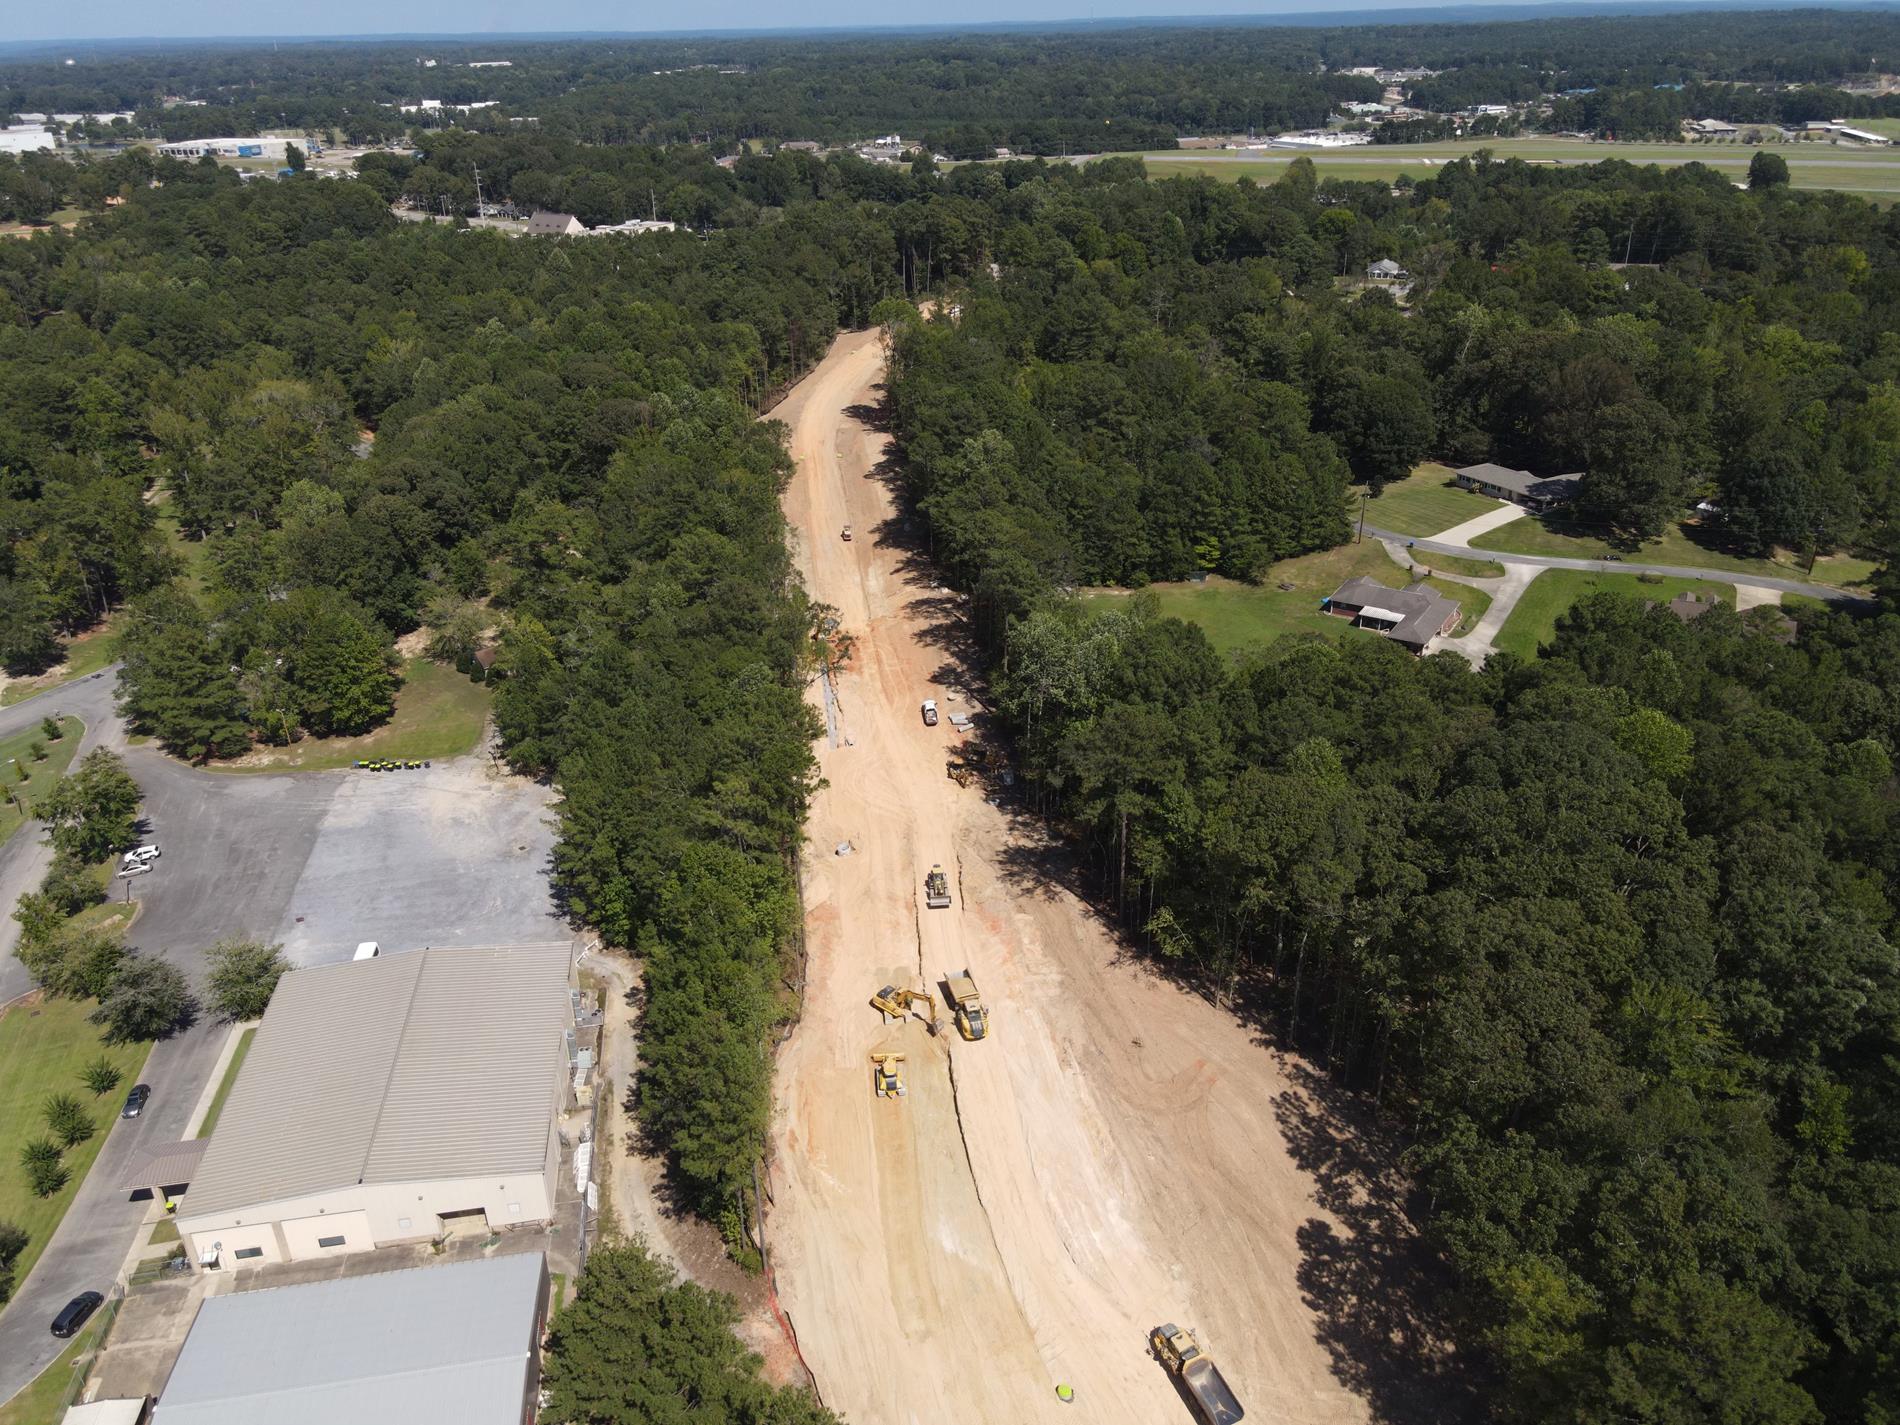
x,y
439,1345
394,1099
276,149
1520,487
1412,616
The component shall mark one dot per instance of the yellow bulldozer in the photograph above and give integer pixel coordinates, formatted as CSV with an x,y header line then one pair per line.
x,y
887,1075
895,1001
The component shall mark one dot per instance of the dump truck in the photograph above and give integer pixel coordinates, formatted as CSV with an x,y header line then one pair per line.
x,y
936,889
887,1078
893,1001
966,1005
1177,1349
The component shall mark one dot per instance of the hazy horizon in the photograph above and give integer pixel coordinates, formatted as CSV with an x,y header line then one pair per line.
x,y
114,20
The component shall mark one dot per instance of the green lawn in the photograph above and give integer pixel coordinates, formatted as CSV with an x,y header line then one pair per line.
x,y
439,713
1686,544
1425,503
1453,564
1238,617
195,554
224,1084
43,1048
15,752
1871,171
86,653
1533,622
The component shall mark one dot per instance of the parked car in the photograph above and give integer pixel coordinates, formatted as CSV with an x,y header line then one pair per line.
x,y
847,533
136,868
367,950
135,1101
142,856
74,1313
930,712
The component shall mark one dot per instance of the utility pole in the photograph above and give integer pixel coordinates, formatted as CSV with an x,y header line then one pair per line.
x,y
1362,521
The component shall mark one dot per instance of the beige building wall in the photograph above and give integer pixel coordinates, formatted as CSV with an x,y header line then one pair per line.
x,y
368,1215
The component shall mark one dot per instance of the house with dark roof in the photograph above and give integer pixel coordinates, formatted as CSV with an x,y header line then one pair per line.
x,y
1412,616
1534,492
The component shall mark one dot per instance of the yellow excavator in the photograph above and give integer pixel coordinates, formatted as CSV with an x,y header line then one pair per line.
x,y
894,1001
887,1075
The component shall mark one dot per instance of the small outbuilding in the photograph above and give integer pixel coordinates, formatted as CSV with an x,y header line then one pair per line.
x,y
546,224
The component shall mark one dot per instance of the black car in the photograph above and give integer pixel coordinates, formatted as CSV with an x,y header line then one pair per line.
x,y
74,1313
135,1101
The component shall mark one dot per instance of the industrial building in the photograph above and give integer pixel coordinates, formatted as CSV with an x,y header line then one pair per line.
x,y
275,149
433,1344
394,1099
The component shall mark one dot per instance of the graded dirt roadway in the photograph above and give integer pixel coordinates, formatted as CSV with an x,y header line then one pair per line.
x,y
1111,1157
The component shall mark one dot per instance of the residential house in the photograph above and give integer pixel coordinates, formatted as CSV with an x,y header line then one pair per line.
x,y
1412,616
1520,487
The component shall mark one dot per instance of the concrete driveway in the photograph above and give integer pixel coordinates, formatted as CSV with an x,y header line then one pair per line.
x,y
456,854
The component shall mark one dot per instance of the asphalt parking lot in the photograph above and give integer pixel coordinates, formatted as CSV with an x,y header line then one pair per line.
x,y
455,854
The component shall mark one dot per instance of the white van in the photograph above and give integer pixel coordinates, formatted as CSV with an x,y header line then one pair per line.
x,y
368,950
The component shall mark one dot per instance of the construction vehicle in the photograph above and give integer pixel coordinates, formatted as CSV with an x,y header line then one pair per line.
x,y
894,1001
1177,1349
966,1005
936,888
887,1077
960,772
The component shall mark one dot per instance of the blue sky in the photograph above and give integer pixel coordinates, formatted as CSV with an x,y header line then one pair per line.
x,y
105,19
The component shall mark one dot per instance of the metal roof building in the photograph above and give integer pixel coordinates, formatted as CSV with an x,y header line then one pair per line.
x,y
431,1344
383,1096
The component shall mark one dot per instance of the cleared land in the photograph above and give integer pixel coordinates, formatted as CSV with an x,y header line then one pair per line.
x,y
1871,171
439,714
1533,622
17,752
1118,1152
1424,503
1239,617
1687,544
44,1046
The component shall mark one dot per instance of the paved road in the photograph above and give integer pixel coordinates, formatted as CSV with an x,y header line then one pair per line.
x,y
24,858
1384,155
319,860
1624,566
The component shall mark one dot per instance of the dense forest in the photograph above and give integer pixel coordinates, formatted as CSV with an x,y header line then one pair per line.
x,y
1609,935
964,94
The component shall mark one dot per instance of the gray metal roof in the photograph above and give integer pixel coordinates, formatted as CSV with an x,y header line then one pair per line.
x,y
439,1063
453,1345
1420,610
1542,487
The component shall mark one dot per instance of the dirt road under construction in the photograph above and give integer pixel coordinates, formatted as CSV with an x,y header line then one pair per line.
x,y
1117,1152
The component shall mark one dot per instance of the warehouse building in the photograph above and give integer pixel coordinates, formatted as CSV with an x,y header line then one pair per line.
x,y
447,1344
394,1099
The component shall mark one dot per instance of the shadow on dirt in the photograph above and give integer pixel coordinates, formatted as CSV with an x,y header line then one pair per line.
x,y
1375,1286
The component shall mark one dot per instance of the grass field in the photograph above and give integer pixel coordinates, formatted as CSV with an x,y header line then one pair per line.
x,y
1240,617
1871,171
1684,544
1425,503
15,752
195,554
1533,622
439,713
86,653
224,1084
43,1047
1453,564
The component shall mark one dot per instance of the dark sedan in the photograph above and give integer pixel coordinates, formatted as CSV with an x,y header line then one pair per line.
x,y
135,1101
75,1313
